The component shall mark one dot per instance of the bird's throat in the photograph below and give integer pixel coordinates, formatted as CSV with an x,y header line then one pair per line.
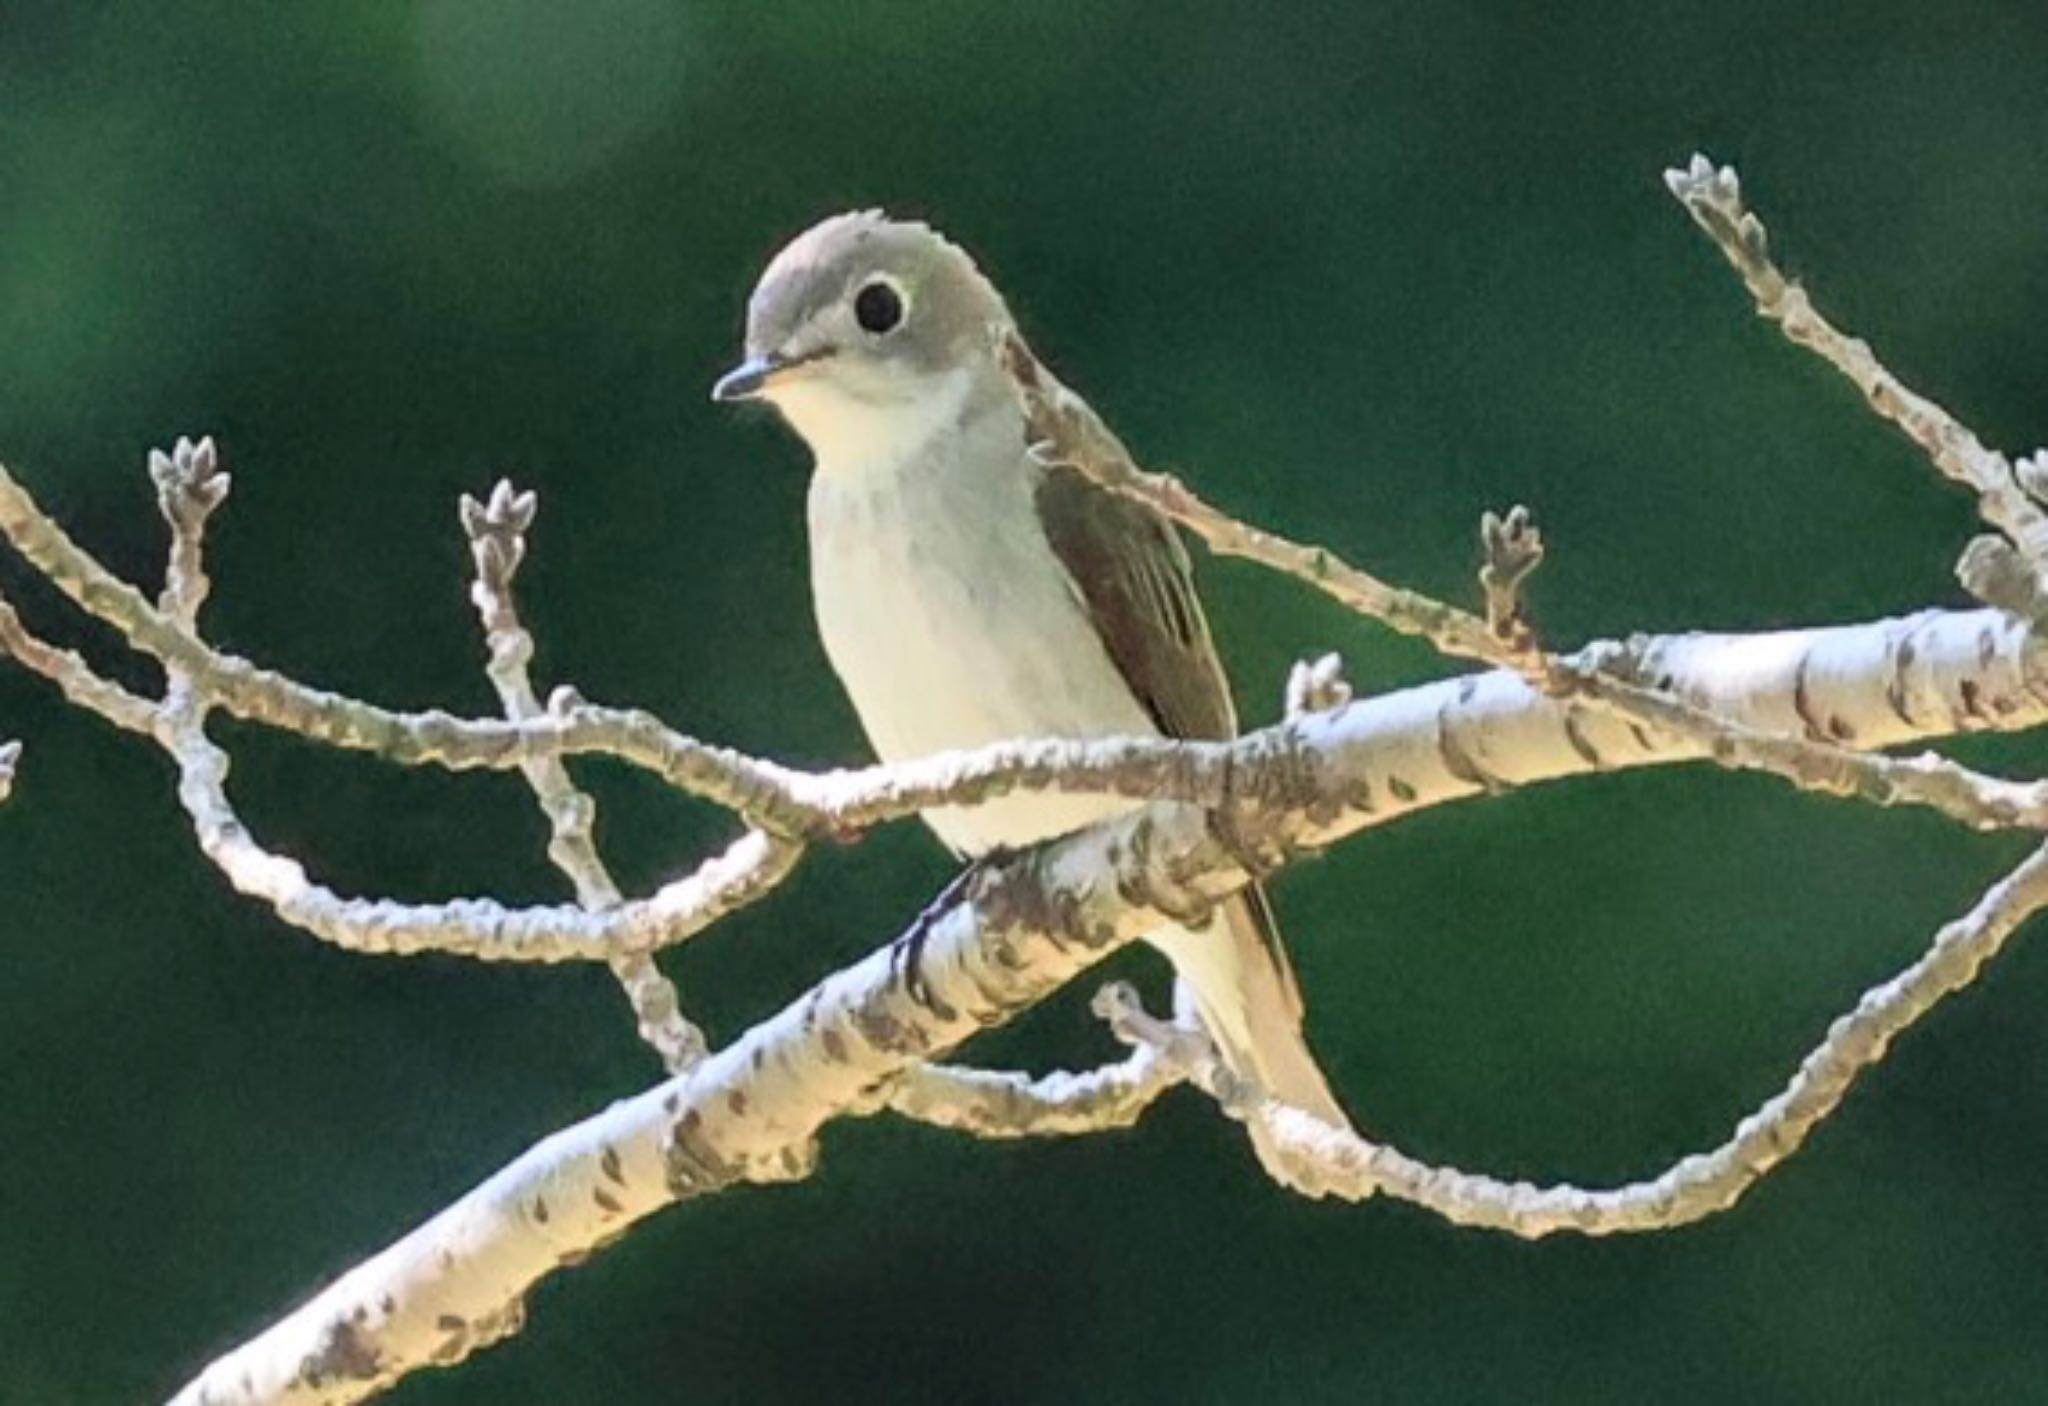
x,y
853,433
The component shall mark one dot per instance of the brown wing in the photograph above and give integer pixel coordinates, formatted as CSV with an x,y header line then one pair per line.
x,y
1132,573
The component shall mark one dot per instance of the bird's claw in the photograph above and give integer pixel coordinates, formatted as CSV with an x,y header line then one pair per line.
x,y
906,959
906,953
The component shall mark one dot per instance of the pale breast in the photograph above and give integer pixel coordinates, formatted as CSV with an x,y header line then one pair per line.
x,y
953,625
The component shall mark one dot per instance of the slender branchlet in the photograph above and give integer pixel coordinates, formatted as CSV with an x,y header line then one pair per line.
x,y
497,528
1511,549
1315,686
2007,574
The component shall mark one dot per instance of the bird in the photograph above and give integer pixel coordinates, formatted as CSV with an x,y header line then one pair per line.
x,y
968,592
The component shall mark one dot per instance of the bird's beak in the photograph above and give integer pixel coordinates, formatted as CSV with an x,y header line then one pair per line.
x,y
749,379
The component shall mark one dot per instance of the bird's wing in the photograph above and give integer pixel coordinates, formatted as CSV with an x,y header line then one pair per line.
x,y
1132,574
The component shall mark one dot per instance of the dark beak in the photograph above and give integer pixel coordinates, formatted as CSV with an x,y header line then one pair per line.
x,y
747,380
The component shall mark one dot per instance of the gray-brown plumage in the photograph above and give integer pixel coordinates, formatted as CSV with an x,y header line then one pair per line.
x,y
968,594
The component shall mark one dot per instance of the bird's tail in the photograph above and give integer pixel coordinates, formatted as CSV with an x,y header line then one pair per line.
x,y
1248,999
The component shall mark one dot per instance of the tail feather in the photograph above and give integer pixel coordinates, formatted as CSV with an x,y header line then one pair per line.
x,y
1249,1001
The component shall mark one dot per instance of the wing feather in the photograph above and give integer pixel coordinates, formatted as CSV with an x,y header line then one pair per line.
x,y
1131,571
1132,574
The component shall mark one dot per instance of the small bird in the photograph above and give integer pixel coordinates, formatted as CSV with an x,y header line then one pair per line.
x,y
969,594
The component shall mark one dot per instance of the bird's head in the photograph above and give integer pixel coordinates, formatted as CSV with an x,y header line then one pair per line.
x,y
862,325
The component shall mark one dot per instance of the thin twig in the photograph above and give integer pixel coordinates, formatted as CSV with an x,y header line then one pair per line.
x,y
1712,195
482,928
1001,1103
75,678
496,529
754,790
1341,1163
1511,549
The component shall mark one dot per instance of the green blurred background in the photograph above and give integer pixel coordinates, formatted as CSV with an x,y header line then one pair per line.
x,y
1361,271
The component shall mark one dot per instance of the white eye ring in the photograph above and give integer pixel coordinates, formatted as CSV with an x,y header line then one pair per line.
x,y
881,305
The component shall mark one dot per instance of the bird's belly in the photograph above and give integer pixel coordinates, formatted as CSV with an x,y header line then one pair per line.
x,y
957,638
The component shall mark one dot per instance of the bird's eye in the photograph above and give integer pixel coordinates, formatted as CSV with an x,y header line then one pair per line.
x,y
878,307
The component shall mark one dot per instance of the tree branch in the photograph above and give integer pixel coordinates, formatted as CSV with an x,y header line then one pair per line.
x,y
1339,1162
746,1113
993,1103
1876,685
496,530
1713,197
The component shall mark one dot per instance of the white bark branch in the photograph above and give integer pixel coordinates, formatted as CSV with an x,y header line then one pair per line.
x,y
1037,920
747,1112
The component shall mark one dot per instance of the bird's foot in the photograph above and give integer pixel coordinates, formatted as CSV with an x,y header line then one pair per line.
x,y
906,954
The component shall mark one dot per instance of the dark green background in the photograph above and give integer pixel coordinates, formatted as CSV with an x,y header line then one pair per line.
x,y
1361,272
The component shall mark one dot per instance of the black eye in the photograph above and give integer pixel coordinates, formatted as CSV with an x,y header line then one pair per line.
x,y
878,307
